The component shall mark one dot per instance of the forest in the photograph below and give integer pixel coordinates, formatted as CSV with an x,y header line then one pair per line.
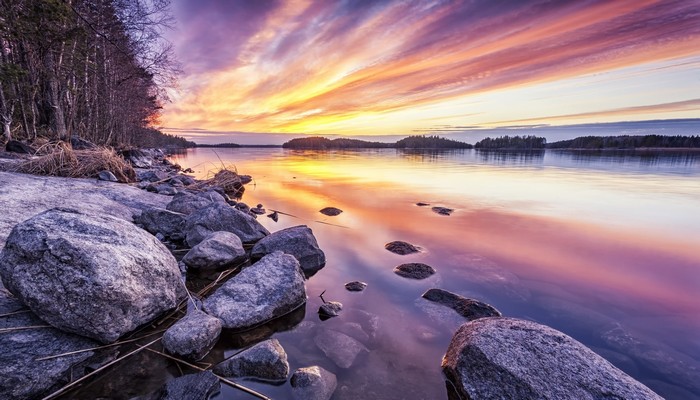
x,y
512,143
93,69
627,142
411,142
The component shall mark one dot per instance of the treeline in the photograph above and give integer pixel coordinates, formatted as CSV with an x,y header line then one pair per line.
x,y
627,142
411,142
96,69
512,143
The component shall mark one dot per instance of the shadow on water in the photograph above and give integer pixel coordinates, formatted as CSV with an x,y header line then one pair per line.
x,y
511,157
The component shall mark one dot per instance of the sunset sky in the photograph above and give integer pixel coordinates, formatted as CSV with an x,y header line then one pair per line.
x,y
400,67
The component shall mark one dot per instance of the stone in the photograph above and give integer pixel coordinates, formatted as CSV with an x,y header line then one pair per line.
x,y
166,222
402,248
274,216
268,289
214,194
266,360
183,179
93,275
313,383
339,347
468,308
151,175
137,158
15,146
187,203
107,176
220,249
330,211
197,386
258,211
298,241
507,358
355,286
422,204
193,336
414,270
78,143
167,190
330,309
240,206
221,217
442,210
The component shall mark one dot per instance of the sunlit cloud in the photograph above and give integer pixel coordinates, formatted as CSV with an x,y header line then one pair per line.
x,y
357,68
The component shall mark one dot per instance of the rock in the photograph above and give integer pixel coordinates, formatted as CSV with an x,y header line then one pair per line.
x,y
151,175
268,289
107,176
167,190
183,179
355,286
218,250
313,383
266,360
137,158
274,216
442,210
166,222
188,170
193,336
414,270
78,143
421,204
15,146
402,248
94,275
330,211
187,203
214,194
243,207
330,309
339,347
258,211
22,376
221,217
298,241
468,308
507,358
198,386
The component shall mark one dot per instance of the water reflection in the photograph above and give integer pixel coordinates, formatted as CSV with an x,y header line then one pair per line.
x,y
506,157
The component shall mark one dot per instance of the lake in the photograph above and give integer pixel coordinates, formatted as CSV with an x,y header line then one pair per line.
x,y
602,246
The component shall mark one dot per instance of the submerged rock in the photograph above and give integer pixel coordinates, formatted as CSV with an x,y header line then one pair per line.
x,y
421,204
266,360
330,309
218,250
402,248
414,270
339,347
270,288
507,358
442,210
219,216
355,286
93,275
198,386
193,336
166,222
468,308
330,211
298,241
313,383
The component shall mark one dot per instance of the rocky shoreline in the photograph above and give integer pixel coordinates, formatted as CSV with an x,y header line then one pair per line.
x,y
87,263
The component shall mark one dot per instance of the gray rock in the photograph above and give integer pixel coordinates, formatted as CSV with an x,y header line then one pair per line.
x,y
183,180
81,144
468,308
274,216
422,204
402,248
243,207
15,146
506,358
268,289
193,336
442,210
167,190
298,241
258,211
213,195
222,217
330,309
414,270
198,386
89,274
107,176
266,360
339,347
313,383
138,158
166,222
220,249
355,286
187,203
331,211
151,175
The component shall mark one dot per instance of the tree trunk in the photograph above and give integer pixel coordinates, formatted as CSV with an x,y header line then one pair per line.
x,y
55,109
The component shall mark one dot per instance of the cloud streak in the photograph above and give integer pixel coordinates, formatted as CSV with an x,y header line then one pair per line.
x,y
349,66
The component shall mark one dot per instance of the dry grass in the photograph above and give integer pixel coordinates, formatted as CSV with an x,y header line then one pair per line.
x,y
59,159
227,179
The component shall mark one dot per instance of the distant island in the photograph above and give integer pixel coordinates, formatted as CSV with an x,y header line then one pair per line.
x,y
627,142
512,143
411,142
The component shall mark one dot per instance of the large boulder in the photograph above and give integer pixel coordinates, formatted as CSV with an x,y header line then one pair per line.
x,y
313,383
507,358
94,275
298,241
158,220
220,249
268,289
193,336
222,217
266,360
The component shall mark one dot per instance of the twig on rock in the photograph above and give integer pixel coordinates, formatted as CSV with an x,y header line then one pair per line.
x,y
21,328
99,347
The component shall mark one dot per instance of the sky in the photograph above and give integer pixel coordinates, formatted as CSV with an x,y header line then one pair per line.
x,y
264,71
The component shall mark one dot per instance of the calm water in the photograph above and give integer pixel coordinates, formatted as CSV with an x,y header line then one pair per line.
x,y
603,247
